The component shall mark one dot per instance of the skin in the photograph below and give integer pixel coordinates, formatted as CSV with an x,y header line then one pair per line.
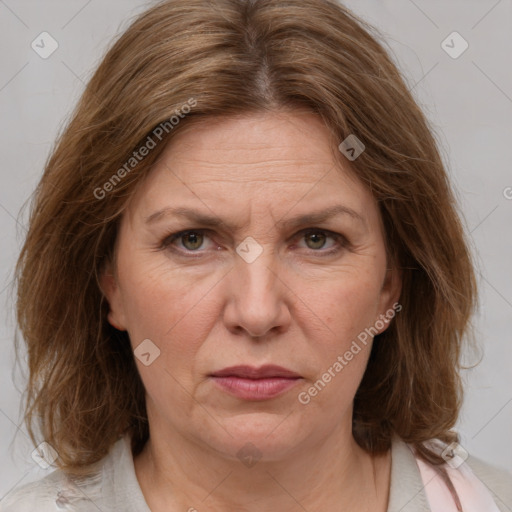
x,y
206,308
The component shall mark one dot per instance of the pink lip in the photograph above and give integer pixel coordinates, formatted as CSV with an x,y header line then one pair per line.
x,y
251,383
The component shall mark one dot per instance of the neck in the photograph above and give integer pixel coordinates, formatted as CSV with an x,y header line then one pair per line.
x,y
332,474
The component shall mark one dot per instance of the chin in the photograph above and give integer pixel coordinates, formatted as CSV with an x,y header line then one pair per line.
x,y
252,436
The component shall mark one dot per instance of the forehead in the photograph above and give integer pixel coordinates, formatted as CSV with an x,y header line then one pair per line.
x,y
272,160
294,136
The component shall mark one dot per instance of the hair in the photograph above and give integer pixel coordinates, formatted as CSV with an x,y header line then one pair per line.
x,y
226,58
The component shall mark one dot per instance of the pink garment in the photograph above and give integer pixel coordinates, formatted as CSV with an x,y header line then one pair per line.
x,y
473,494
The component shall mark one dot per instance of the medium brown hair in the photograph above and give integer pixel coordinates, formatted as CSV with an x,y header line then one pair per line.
x,y
235,57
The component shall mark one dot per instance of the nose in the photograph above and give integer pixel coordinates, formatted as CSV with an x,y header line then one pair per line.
x,y
258,300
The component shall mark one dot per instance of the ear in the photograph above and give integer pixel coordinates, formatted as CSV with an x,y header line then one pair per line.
x,y
110,288
389,297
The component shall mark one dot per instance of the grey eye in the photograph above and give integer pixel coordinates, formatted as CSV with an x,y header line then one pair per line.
x,y
315,239
192,240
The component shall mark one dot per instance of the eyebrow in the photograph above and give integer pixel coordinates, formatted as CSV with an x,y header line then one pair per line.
x,y
213,221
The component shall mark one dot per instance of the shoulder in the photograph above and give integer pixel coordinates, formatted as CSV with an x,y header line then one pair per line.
x,y
60,491
110,485
474,480
497,480
43,495
419,486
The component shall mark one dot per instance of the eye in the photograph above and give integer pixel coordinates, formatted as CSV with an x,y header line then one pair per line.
x,y
317,239
186,241
192,241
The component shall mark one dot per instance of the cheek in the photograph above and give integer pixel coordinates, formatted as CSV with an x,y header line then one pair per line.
x,y
340,348
176,312
340,308
172,308
346,303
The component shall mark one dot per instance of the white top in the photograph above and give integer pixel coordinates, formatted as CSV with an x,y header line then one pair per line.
x,y
414,487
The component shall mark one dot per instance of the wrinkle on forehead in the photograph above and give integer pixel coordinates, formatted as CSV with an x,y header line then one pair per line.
x,y
220,160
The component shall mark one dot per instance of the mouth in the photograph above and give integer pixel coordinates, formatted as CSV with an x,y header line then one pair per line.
x,y
250,383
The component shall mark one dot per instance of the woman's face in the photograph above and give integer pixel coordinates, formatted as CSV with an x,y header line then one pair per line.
x,y
257,284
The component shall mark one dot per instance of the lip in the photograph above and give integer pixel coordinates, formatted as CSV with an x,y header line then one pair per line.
x,y
250,372
250,383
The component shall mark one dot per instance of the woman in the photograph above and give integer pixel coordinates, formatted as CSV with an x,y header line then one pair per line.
x,y
245,285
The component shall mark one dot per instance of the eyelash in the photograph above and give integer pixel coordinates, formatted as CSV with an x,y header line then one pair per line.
x,y
341,242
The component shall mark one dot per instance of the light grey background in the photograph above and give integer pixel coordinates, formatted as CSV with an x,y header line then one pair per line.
x,y
468,100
